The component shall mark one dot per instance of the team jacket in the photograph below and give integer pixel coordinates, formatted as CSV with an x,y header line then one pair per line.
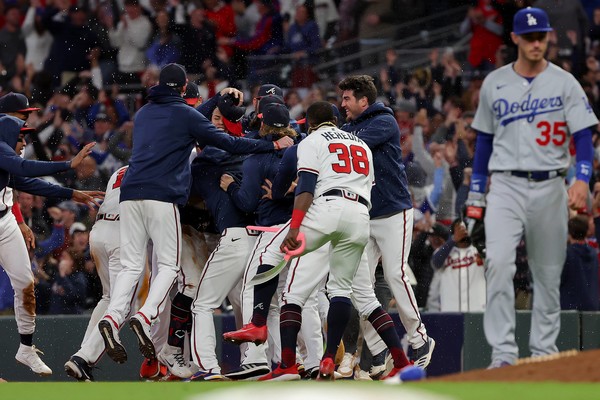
x,y
378,128
11,165
165,132
579,280
207,169
247,196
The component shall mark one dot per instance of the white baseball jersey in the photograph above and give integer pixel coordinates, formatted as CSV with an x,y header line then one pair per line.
x,y
110,205
341,159
6,198
532,121
462,281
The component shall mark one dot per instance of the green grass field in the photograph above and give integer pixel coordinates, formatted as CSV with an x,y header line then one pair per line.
x,y
297,391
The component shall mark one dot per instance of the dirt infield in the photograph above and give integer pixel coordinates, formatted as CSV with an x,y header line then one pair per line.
x,y
582,367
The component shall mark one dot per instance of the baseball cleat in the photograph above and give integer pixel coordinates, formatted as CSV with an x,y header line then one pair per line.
x,y
152,370
346,367
249,372
141,327
407,373
326,369
361,375
112,343
247,333
282,374
421,357
382,365
310,374
28,356
206,376
499,364
173,358
79,369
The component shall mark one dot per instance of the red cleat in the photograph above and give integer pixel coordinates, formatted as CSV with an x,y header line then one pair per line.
x,y
248,333
282,374
152,369
326,369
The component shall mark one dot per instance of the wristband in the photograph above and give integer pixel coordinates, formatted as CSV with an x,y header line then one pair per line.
x,y
583,171
478,183
16,210
297,217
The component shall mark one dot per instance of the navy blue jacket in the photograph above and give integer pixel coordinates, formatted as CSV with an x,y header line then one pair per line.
x,y
39,187
247,196
286,173
164,134
579,281
207,169
378,128
11,163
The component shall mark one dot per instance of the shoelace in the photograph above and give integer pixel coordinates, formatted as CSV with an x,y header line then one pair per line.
x,y
179,359
36,350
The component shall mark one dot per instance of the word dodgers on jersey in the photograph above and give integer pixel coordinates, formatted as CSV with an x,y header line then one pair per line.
x,y
527,108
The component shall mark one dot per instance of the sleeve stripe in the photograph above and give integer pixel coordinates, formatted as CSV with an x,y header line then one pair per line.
x,y
312,171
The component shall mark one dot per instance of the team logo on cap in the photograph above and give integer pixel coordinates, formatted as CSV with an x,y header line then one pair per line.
x,y
271,91
531,20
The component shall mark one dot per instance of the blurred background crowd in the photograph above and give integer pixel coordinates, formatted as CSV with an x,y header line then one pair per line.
x,y
87,64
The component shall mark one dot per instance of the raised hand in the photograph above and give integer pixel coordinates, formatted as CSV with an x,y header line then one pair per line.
x,y
87,149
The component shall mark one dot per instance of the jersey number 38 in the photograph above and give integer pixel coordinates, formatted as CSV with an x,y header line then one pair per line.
x,y
350,158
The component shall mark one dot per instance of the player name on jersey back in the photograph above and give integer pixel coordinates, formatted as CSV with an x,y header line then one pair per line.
x,y
339,134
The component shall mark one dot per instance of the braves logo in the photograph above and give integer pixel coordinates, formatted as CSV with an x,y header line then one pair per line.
x,y
508,112
271,91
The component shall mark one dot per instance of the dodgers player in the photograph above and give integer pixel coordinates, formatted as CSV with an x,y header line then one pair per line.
x,y
165,132
527,112
14,256
392,213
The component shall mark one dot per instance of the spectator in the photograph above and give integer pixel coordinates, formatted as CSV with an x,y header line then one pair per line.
x,y
69,286
222,17
32,215
303,42
130,36
461,273
566,16
100,21
107,163
579,280
165,46
13,49
485,24
38,40
74,42
193,56
327,17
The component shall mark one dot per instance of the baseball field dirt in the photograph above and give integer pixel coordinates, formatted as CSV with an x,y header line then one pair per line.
x,y
581,367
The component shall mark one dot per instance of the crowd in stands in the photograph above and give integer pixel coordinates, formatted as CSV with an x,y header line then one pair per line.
x,y
81,63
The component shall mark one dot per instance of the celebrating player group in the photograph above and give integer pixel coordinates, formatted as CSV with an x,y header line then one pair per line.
x,y
302,216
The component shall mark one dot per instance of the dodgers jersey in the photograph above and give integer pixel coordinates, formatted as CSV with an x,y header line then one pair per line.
x,y
532,121
340,159
110,205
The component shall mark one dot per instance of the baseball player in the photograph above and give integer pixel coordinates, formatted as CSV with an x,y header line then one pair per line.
x,y
248,196
461,275
528,111
105,250
14,256
392,213
302,280
157,180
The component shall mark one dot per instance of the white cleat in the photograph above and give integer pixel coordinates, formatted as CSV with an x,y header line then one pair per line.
x,y
173,358
28,356
346,367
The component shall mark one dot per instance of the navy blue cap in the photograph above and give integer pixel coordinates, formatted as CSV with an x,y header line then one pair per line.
x,y
270,99
173,75
275,115
192,94
270,90
529,20
15,102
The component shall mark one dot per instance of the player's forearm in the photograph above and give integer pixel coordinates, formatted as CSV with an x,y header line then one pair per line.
x,y
585,154
483,152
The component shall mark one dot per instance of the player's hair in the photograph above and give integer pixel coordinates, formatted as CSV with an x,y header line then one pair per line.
x,y
277,133
320,112
578,227
361,86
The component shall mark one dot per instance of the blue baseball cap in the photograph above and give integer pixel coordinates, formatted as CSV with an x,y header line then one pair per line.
x,y
529,20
